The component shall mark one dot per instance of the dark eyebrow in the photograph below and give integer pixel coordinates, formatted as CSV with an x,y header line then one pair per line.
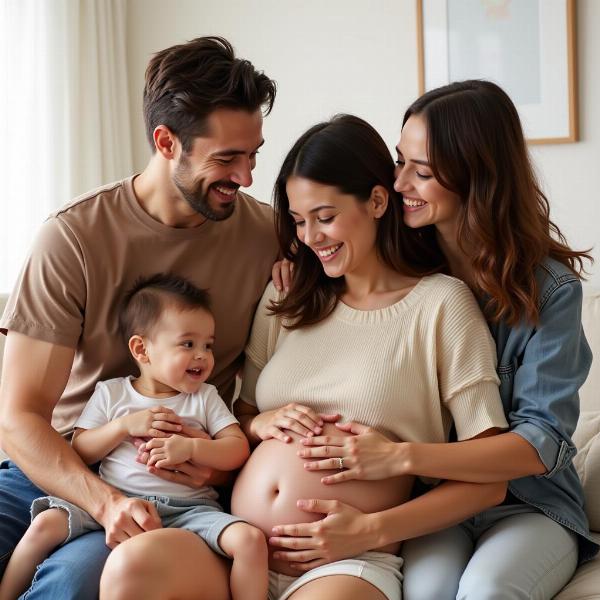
x,y
425,163
235,151
316,209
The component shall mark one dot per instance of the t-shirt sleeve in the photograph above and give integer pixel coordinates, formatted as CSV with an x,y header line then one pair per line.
x,y
96,412
218,416
261,344
48,301
466,355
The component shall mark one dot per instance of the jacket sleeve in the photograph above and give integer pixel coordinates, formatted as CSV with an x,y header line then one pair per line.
x,y
554,365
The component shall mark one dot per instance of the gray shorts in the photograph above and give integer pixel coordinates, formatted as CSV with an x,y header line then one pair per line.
x,y
204,517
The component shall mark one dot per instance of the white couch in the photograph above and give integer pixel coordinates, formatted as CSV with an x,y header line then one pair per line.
x,y
585,585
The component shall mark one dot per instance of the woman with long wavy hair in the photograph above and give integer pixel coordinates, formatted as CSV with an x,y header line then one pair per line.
x,y
469,187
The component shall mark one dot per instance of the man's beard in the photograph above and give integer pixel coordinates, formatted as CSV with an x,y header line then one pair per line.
x,y
198,197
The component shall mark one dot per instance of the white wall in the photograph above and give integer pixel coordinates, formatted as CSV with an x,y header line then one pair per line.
x,y
331,56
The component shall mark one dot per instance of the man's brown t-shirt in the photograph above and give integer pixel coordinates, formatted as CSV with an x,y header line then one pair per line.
x,y
90,252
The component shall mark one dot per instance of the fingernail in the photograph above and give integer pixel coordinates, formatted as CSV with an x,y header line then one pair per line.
x,y
277,287
318,430
287,289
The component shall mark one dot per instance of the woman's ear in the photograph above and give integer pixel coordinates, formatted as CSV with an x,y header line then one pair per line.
x,y
379,201
137,347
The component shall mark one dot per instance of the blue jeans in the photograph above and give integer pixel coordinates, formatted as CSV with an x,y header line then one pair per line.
x,y
72,571
509,552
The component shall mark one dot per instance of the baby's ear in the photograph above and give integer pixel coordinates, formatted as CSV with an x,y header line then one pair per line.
x,y
137,347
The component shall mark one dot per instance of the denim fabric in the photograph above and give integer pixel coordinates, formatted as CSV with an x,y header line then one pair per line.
x,y
512,552
63,574
541,368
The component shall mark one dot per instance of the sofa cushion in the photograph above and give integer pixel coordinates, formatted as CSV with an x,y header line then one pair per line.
x,y
585,583
3,299
587,463
590,392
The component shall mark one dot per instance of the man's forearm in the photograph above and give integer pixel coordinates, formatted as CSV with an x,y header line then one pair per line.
x,y
50,462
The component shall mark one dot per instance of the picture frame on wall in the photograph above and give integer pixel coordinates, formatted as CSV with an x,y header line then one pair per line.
x,y
528,47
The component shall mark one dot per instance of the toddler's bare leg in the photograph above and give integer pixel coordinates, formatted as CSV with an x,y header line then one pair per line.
x,y
46,531
247,546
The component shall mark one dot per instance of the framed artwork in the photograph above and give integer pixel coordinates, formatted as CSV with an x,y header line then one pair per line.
x,y
528,47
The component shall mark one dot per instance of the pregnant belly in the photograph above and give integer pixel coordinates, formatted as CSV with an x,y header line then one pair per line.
x,y
274,478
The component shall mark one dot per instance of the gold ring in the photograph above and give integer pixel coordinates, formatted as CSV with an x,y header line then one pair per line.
x,y
340,462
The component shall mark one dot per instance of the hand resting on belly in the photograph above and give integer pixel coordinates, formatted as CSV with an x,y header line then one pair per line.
x,y
274,479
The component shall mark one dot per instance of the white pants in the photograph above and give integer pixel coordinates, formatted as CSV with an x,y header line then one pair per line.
x,y
505,553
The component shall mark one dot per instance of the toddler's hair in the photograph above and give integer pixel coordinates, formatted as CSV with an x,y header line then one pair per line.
x,y
145,302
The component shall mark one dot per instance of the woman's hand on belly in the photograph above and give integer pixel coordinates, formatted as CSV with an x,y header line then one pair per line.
x,y
366,455
343,533
268,487
292,417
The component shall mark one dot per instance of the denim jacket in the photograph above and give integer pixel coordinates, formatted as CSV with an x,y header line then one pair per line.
x,y
541,368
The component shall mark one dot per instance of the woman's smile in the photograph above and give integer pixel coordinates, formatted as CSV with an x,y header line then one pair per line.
x,y
328,253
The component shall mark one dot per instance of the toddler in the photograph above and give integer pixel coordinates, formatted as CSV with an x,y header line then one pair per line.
x,y
170,332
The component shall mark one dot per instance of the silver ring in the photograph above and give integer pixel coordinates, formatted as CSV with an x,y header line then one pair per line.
x,y
340,462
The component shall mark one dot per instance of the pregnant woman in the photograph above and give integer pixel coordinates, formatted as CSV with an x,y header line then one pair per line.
x,y
362,333
469,188
369,332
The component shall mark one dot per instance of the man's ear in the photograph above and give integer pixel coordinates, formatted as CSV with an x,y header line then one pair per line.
x,y
165,142
378,201
137,347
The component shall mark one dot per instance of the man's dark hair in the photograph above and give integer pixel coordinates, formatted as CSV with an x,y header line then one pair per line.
x,y
144,303
187,82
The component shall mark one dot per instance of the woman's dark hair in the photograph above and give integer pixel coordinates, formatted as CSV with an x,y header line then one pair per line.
x,y
348,154
185,83
476,148
146,300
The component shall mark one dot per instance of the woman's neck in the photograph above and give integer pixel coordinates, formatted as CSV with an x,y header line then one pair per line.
x,y
458,260
376,286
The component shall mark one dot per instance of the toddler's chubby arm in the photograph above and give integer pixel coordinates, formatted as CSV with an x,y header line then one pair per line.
x,y
95,443
228,450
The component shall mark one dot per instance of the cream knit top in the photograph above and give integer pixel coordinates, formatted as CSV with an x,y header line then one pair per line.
x,y
408,370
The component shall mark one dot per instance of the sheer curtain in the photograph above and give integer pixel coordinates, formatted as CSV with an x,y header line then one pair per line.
x,y
64,112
